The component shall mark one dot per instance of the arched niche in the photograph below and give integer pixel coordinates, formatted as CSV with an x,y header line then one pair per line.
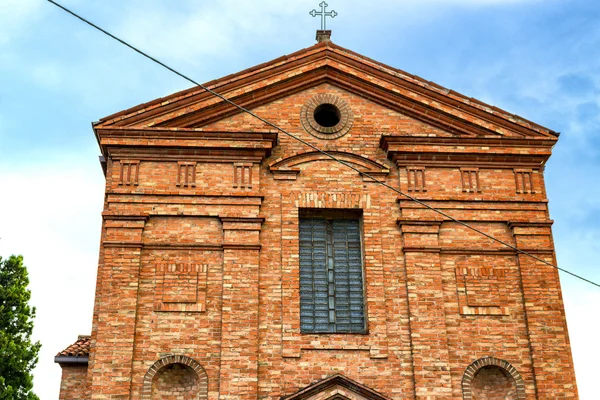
x,y
175,378
492,379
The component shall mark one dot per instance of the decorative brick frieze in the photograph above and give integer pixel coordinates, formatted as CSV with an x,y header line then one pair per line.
x,y
242,175
524,181
470,180
186,174
415,179
129,172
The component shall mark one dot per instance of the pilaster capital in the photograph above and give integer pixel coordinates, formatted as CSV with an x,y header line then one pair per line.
x,y
241,233
242,223
419,226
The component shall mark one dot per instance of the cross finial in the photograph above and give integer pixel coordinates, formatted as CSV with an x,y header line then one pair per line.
x,y
324,14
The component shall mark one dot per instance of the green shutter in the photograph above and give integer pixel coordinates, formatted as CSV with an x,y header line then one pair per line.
x,y
331,283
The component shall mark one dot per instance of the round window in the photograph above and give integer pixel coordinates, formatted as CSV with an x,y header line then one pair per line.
x,y
326,116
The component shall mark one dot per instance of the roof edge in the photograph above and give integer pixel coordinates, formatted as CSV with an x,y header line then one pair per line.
x,y
484,111
78,360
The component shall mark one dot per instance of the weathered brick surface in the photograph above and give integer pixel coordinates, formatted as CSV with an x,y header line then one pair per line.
x,y
73,382
200,241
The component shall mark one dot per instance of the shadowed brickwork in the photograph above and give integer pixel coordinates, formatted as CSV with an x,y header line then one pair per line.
x,y
493,383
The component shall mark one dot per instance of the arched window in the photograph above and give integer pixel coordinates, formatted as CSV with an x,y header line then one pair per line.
x,y
175,378
492,379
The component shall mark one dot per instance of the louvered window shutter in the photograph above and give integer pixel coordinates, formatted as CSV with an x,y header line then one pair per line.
x,y
331,278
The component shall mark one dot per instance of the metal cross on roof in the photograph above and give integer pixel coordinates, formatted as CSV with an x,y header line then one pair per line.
x,y
323,14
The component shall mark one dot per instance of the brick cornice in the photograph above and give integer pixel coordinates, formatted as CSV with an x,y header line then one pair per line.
x,y
124,217
472,151
530,224
194,144
243,220
241,246
420,222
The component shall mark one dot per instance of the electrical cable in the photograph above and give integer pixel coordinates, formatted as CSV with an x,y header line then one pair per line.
x,y
321,151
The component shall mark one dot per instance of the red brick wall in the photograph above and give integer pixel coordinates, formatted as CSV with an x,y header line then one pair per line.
x,y
73,384
438,296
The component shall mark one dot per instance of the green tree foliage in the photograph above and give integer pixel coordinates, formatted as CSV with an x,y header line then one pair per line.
x,y
18,355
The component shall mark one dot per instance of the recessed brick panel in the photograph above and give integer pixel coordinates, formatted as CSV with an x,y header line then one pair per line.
x,y
180,287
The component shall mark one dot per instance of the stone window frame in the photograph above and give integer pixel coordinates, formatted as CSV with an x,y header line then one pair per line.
x,y
475,366
175,359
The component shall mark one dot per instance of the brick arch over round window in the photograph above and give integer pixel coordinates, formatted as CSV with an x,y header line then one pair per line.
x,y
178,369
482,375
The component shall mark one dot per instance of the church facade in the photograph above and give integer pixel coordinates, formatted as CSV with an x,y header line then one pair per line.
x,y
238,263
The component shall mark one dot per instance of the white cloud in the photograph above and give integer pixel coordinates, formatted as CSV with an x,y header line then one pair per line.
x,y
51,215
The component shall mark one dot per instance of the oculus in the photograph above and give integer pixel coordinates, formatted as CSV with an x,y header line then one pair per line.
x,y
326,116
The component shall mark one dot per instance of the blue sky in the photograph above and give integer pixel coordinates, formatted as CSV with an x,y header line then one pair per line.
x,y
536,58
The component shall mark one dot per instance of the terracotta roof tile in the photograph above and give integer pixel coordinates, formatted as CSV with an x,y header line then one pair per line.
x,y
81,348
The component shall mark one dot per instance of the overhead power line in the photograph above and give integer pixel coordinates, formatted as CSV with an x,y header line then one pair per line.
x,y
331,156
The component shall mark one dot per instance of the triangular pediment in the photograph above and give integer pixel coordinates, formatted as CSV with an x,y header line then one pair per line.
x,y
336,387
327,63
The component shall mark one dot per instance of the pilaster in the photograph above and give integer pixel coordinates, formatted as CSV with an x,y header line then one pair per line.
x,y
546,323
239,340
111,368
429,343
